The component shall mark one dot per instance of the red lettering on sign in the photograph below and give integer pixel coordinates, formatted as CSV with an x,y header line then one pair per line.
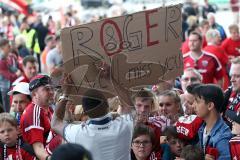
x,y
118,34
149,26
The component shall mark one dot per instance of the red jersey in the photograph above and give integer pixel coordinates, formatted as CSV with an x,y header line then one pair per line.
x,y
12,153
223,58
235,147
207,65
35,123
22,78
157,132
185,47
231,47
157,155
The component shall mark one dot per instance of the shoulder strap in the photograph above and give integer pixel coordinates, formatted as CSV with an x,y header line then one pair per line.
x,y
28,148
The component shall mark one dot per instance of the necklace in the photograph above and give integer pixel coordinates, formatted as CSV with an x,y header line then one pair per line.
x,y
18,150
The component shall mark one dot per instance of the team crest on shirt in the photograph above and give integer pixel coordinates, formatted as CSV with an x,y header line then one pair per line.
x,y
187,64
204,63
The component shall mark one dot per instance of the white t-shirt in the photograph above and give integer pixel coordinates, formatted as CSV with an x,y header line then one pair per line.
x,y
110,140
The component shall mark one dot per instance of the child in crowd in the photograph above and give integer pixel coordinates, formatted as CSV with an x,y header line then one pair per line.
x,y
11,146
191,152
143,144
235,141
173,141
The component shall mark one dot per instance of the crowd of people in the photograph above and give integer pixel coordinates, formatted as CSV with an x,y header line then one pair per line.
x,y
193,117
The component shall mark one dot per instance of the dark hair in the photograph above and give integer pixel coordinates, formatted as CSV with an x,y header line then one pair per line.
x,y
30,59
94,103
25,20
48,39
1,108
197,34
191,152
3,42
142,129
28,96
191,87
71,151
210,93
57,38
170,132
143,94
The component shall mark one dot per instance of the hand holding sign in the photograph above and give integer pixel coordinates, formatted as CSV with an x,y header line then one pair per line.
x,y
138,49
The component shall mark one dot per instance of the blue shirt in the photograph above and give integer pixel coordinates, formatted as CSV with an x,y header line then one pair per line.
x,y
219,138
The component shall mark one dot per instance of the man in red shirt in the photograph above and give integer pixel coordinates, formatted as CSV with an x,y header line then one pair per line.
x,y
207,64
234,98
203,28
35,121
214,40
232,45
29,68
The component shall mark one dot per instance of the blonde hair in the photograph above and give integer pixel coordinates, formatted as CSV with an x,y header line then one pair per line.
x,y
233,27
191,21
7,117
212,33
20,40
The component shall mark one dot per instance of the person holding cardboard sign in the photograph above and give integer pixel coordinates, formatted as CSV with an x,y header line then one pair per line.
x,y
108,136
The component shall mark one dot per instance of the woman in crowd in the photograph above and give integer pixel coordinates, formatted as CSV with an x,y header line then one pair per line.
x,y
170,105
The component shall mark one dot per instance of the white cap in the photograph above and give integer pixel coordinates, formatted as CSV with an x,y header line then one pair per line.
x,y
21,87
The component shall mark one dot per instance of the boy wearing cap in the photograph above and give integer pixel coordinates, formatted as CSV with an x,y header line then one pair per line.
x,y
35,121
235,141
20,99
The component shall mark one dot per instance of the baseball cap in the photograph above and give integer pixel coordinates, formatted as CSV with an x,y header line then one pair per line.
x,y
92,99
39,80
21,87
71,151
233,115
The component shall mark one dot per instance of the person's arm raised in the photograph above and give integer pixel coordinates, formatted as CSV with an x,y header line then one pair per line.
x,y
57,123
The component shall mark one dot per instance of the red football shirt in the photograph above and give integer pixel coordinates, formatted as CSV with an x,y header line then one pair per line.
x,y
231,47
13,154
35,123
157,132
235,147
223,58
207,64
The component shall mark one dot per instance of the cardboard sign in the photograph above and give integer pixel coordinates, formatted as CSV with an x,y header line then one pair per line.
x,y
140,49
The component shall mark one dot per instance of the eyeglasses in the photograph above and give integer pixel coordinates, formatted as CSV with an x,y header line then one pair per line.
x,y
191,79
139,143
